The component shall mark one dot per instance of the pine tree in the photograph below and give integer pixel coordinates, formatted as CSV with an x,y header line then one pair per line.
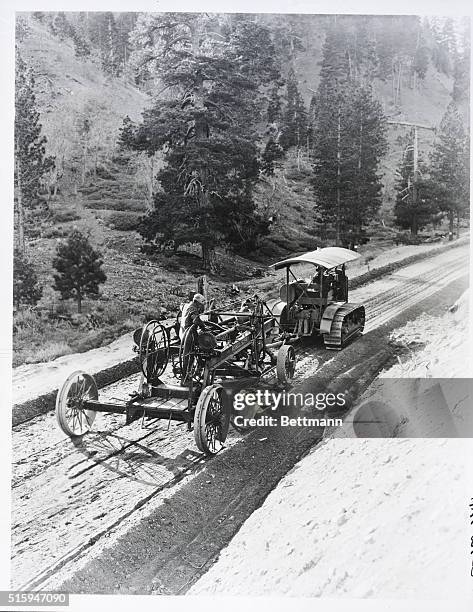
x,y
444,53
79,269
449,165
204,128
274,106
421,59
416,203
311,122
272,152
60,26
294,120
110,44
26,290
349,140
365,145
105,38
364,57
328,128
449,39
31,161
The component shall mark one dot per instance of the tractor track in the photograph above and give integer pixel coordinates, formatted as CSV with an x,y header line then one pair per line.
x,y
84,492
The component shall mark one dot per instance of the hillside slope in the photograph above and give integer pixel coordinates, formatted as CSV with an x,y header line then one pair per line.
x,y
66,84
82,110
103,191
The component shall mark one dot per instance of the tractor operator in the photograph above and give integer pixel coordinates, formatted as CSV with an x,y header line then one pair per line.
x,y
191,313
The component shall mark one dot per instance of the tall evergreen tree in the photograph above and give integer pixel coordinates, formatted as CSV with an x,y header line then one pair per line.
x,y
416,200
274,106
328,129
449,165
204,128
110,46
366,145
31,161
294,120
349,140
445,48
272,152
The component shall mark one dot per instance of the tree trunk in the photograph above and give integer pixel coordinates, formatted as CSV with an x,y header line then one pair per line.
x,y
151,181
458,224
451,218
203,287
201,130
79,303
393,81
207,256
84,163
414,228
398,94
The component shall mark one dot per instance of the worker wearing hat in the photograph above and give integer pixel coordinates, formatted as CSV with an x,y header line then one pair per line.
x,y
191,313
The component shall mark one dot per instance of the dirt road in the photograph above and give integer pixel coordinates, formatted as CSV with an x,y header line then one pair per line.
x,y
140,510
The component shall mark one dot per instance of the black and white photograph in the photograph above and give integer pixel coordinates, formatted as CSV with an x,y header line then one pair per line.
x,y
236,306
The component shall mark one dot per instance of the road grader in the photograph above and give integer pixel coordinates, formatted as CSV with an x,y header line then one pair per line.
x,y
189,379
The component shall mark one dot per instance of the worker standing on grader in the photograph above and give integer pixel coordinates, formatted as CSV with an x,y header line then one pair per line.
x,y
191,314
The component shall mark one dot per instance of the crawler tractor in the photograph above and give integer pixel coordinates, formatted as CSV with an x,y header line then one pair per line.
x,y
318,305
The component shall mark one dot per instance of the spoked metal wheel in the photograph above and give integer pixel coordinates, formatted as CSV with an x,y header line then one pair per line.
x,y
154,351
72,416
190,364
211,420
286,364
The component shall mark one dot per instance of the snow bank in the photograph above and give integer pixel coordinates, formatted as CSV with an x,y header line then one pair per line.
x,y
447,353
31,380
379,518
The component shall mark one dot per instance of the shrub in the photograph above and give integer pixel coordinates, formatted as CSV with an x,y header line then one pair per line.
x,y
48,352
55,232
123,221
119,205
406,238
27,319
104,173
63,216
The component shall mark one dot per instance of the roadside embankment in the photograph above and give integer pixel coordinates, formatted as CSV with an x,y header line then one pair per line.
x,y
356,518
35,386
428,391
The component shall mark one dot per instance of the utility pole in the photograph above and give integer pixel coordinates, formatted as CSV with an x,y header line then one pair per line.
x,y
415,176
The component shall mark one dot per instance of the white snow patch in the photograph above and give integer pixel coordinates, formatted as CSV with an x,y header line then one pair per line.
x,y
447,352
380,518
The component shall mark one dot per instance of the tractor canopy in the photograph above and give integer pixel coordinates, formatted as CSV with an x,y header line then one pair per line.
x,y
328,258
